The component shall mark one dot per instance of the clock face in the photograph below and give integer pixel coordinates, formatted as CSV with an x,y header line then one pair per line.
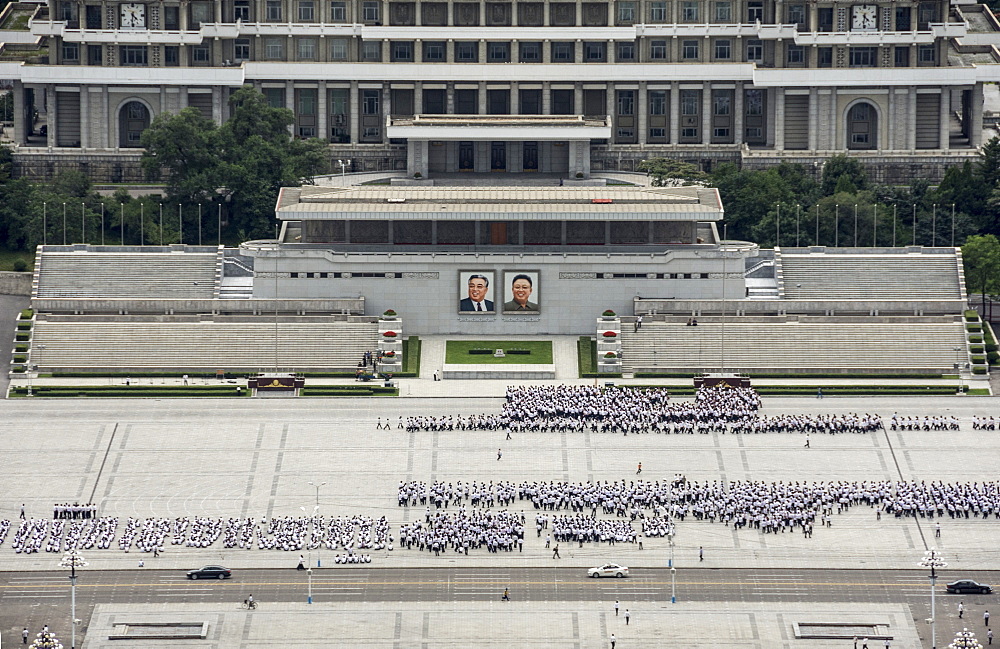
x,y
864,17
133,15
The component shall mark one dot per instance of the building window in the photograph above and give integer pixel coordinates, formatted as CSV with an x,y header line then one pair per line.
x,y
338,49
824,16
754,102
338,12
171,18
401,51
201,12
720,133
626,51
274,48
371,51
275,97
530,53
562,52
755,51
307,49
902,57
724,12
926,54
370,12
133,55
722,104
467,52
595,52
370,102
433,51
903,19
689,50
307,11
241,11
241,49
689,11
797,14
658,50
824,57
562,102
626,13
273,10
863,57
755,11
626,102
795,55
754,132
171,56
94,54
200,55
625,134
657,102
498,52
70,51
658,12
723,49
689,102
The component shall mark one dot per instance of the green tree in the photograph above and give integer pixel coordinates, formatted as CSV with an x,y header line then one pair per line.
x,y
981,259
841,165
749,196
665,170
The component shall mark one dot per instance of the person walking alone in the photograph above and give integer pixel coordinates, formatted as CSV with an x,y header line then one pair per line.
x,y
701,553
499,454
628,616
961,609
555,552
639,470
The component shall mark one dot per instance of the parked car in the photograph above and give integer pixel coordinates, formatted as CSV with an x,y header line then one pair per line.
x,y
969,586
210,572
608,570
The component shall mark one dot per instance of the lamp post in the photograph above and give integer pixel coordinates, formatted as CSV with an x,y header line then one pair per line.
x,y
344,164
309,573
72,560
673,569
959,362
933,561
34,365
315,512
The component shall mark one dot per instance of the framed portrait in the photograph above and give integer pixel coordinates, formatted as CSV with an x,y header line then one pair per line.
x,y
476,291
521,292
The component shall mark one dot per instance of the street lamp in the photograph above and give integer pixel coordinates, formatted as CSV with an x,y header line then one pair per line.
x,y
933,561
344,164
34,365
315,512
959,363
72,560
309,573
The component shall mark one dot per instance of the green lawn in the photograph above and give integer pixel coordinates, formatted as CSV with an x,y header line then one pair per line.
x,y
8,257
457,352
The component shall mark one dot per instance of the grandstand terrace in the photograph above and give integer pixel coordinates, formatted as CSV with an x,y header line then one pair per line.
x,y
796,345
201,344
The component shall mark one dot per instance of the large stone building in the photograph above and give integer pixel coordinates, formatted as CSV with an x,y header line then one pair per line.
x,y
561,86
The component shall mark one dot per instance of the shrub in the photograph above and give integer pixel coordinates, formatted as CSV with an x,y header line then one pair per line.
x,y
389,354
22,337
20,359
20,265
973,328
17,369
390,313
522,352
979,369
975,338
978,359
609,314
993,357
976,349
971,315
480,350
24,326
26,314
418,175
609,334
611,355
390,334
579,174
20,348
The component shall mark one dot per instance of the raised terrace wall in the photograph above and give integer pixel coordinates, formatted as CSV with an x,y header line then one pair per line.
x,y
15,283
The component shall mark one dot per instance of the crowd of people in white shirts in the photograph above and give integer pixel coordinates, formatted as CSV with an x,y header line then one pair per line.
x,y
351,533
463,531
627,410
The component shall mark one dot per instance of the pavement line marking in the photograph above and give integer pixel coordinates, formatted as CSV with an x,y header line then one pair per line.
x,y
33,596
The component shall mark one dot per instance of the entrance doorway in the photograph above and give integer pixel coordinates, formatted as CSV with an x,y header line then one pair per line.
x,y
466,156
862,124
529,160
498,156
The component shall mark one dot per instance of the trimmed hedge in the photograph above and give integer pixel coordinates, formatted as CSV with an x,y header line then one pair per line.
x,y
976,349
522,352
24,326
979,369
586,353
975,338
108,391
971,315
17,369
349,391
20,348
681,375
26,314
993,357
20,359
480,350
411,357
22,337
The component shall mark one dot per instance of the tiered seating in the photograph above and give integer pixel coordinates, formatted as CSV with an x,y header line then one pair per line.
x,y
795,346
143,275
202,346
870,276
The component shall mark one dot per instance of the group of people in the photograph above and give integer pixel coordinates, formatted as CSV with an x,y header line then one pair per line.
x,y
76,510
464,531
149,535
937,422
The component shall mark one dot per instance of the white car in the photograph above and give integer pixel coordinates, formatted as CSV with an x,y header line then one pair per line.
x,y
608,570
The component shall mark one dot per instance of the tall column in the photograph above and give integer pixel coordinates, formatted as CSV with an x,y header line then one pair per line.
x,y
609,106
217,105
482,98
641,112
738,113
51,115
706,113
418,98
976,115
813,118
21,125
85,117
578,98
515,98
546,44
578,46
290,104
779,119
836,124
944,121
218,11
322,120
911,120
106,129
675,112
547,98
355,112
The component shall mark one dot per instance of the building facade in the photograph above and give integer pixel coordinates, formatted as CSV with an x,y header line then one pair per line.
x,y
500,86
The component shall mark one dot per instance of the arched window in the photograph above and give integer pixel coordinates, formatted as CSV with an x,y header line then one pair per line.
x,y
862,126
133,119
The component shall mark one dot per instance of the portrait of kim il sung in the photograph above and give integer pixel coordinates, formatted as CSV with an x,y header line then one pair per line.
x,y
476,291
520,290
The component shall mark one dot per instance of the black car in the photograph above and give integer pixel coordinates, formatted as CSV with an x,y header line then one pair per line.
x,y
968,586
210,572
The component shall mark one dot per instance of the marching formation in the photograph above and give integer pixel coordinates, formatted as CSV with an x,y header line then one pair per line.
x,y
464,531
